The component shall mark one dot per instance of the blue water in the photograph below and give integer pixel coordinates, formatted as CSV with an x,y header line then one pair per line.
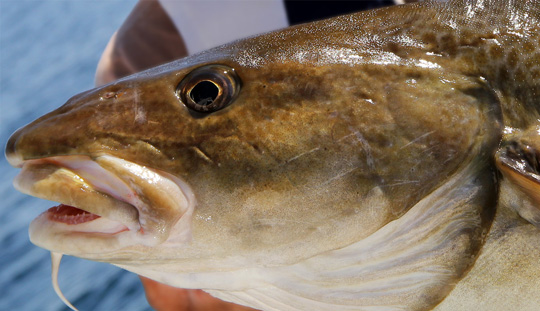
x,y
48,52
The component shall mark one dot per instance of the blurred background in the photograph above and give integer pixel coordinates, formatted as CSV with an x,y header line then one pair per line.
x,y
49,50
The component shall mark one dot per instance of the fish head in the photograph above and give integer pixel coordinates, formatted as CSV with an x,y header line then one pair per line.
x,y
263,152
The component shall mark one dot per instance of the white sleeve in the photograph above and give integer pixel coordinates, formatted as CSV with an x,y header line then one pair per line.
x,y
204,24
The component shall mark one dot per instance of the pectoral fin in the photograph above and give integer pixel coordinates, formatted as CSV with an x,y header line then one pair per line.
x,y
518,161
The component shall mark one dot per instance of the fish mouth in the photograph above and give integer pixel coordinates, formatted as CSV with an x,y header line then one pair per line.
x,y
106,203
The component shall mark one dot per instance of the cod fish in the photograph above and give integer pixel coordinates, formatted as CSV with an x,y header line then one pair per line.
x,y
384,160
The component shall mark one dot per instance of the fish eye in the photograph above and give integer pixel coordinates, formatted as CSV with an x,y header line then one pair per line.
x,y
209,88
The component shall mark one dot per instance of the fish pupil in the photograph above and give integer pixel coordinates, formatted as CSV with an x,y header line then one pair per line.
x,y
204,93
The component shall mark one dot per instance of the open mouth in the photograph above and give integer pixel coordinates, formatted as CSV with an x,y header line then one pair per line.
x,y
70,215
82,221
102,199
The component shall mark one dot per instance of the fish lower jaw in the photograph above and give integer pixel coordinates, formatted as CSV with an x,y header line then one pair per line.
x,y
52,230
98,236
63,226
73,231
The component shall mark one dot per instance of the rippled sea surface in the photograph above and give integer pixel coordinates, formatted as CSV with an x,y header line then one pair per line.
x,y
49,50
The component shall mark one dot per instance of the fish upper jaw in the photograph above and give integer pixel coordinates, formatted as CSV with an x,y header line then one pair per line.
x,y
106,204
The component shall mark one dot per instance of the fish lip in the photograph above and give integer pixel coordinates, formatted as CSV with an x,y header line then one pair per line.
x,y
55,162
119,192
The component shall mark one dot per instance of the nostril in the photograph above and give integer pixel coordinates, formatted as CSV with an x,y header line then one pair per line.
x,y
12,156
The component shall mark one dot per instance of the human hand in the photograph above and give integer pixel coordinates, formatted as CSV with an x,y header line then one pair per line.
x,y
167,298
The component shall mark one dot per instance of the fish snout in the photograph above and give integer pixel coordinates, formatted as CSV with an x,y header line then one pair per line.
x,y
12,156
66,130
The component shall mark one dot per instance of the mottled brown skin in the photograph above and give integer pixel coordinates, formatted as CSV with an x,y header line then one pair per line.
x,y
398,99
